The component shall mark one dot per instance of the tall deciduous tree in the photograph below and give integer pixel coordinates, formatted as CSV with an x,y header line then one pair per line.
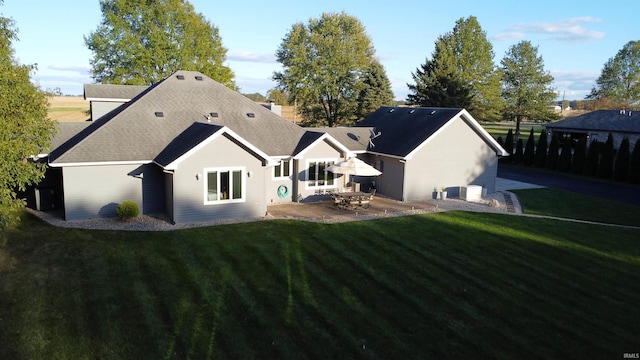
x,y
376,91
461,73
619,81
526,86
25,130
323,63
140,42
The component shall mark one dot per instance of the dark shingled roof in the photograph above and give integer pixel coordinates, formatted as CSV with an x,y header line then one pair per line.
x,y
305,140
112,91
600,120
402,129
140,129
353,138
187,140
67,130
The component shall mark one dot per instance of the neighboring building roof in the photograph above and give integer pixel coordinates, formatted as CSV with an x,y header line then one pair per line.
x,y
600,120
140,129
112,92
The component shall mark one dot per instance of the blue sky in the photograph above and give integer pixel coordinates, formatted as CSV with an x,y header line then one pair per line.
x,y
575,39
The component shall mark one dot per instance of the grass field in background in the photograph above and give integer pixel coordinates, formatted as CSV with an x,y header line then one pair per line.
x,y
447,285
501,129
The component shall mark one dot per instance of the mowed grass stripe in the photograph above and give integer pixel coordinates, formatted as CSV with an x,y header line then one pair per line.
x,y
387,288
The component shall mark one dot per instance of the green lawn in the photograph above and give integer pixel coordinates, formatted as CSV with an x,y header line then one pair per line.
x,y
566,204
447,285
502,128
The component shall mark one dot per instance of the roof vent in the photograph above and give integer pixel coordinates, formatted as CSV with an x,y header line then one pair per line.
x,y
199,77
412,111
159,114
392,110
432,112
213,114
251,115
180,77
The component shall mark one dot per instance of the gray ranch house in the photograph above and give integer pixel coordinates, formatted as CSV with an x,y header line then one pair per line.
x,y
194,150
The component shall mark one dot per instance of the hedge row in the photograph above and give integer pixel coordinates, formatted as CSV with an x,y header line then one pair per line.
x,y
597,159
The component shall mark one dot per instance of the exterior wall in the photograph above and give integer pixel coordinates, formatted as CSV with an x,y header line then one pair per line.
x,y
153,190
321,151
100,108
272,185
189,190
390,183
96,191
455,157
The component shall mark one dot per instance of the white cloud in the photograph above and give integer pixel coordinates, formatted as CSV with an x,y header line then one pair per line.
x,y
569,30
248,56
80,69
574,85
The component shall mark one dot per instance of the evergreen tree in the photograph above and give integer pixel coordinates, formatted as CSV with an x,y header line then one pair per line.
x,y
552,155
621,165
139,42
528,156
526,86
508,145
376,91
579,156
517,157
605,168
593,154
541,150
461,73
564,161
633,173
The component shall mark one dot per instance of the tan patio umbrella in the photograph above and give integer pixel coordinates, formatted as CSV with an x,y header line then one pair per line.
x,y
354,166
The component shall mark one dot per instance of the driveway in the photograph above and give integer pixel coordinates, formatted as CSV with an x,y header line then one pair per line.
x,y
621,192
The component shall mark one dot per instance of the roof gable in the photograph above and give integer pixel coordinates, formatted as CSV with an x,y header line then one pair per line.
x,y
311,138
194,138
401,131
140,129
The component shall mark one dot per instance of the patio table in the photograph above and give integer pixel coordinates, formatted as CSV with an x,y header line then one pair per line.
x,y
351,199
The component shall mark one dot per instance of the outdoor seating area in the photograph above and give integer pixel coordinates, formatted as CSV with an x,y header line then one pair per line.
x,y
352,199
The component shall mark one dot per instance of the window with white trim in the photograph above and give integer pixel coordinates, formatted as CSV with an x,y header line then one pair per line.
x,y
282,170
224,185
318,177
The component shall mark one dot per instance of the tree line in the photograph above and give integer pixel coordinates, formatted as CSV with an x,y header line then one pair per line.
x,y
577,156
